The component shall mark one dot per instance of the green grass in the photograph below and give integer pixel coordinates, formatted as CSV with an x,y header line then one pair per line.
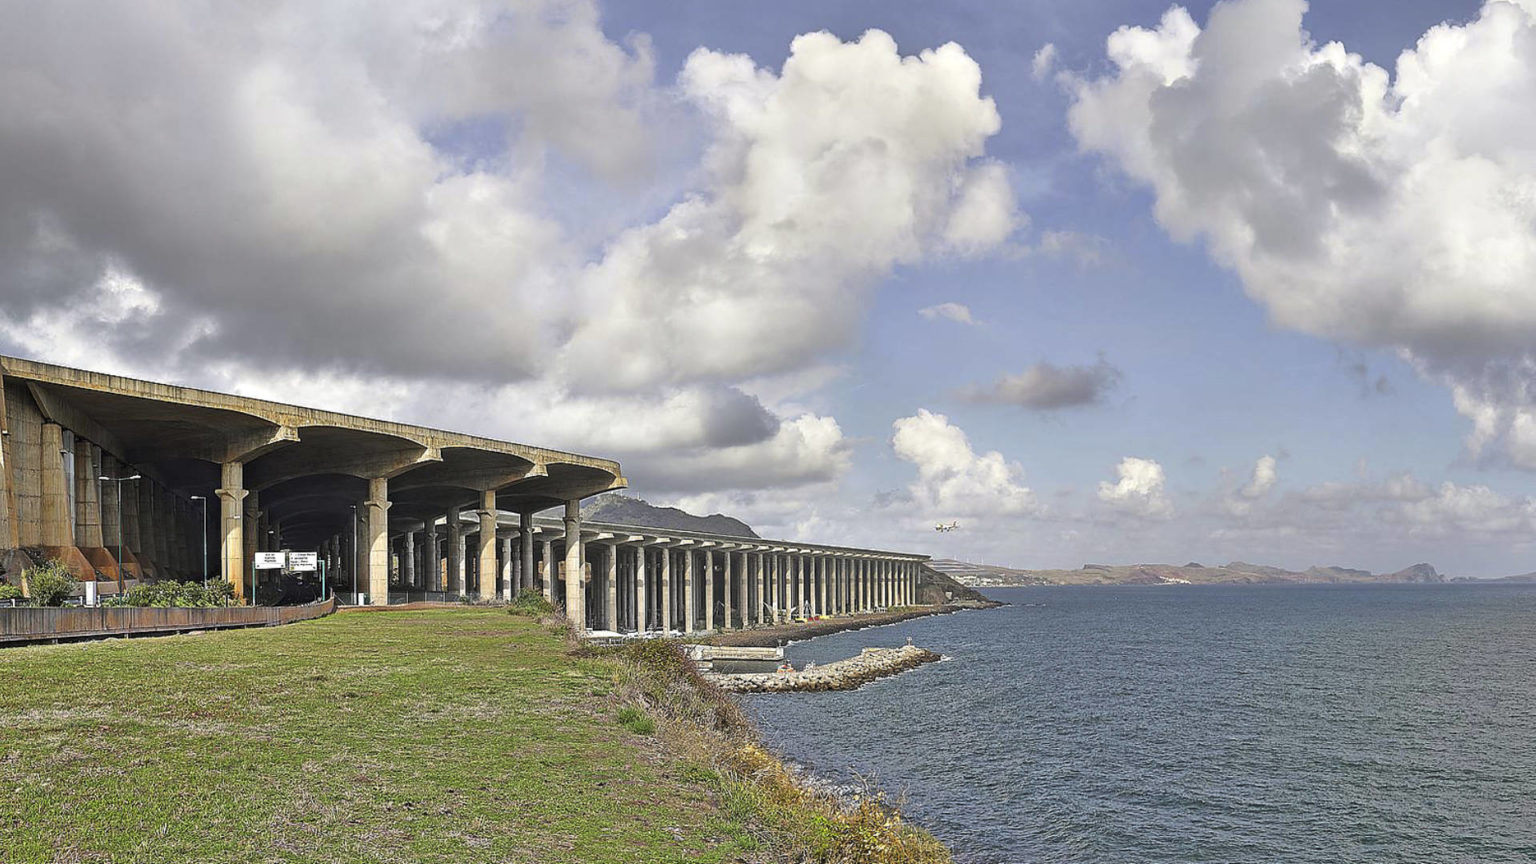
x,y
433,736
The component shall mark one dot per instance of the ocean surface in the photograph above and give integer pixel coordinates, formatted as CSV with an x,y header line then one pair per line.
x,y
1126,725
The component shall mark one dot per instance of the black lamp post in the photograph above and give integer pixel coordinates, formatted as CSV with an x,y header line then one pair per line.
x,y
205,537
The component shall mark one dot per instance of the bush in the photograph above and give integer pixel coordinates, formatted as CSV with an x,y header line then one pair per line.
x,y
50,583
9,593
636,721
176,594
530,604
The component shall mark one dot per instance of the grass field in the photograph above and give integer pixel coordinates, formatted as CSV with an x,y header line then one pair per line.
x,y
433,736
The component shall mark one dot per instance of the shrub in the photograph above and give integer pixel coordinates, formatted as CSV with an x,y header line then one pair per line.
x,y
9,593
636,721
176,594
530,604
50,583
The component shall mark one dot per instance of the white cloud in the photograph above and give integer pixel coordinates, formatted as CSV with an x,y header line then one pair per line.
x,y
1139,490
1384,210
952,311
851,160
1045,387
370,209
1043,62
952,479
1263,479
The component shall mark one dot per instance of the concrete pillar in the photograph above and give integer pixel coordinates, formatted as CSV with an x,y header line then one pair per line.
x,y
487,584
378,541
525,549
821,584
665,618
232,497
250,535
741,585
611,583
641,624
575,591
431,558
726,588
455,587
111,513
688,608
10,517
802,584
757,577
87,494
774,600
56,522
709,591
508,569
408,560
858,585
547,571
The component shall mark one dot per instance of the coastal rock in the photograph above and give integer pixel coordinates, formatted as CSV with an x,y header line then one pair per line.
x,y
850,674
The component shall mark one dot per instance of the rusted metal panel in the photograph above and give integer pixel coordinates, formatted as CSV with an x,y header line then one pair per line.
x,y
31,625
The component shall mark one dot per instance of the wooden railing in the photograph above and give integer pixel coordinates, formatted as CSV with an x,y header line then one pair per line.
x,y
35,625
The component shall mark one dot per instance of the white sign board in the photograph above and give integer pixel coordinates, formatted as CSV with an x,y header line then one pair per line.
x,y
303,562
270,560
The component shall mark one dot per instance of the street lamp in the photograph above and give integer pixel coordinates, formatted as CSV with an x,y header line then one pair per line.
x,y
205,537
118,481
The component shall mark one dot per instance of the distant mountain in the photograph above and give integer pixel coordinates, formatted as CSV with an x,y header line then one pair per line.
x,y
1520,578
628,510
1235,572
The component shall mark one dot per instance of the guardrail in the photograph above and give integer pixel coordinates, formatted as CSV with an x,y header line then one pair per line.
x,y
53,624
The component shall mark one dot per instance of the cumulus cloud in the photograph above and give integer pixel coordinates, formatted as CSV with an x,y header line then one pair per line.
x,y
848,161
953,479
1380,209
1398,508
1043,62
1138,491
274,177
371,209
1263,479
957,312
1045,387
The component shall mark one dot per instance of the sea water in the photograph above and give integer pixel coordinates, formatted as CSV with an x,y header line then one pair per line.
x,y
1198,724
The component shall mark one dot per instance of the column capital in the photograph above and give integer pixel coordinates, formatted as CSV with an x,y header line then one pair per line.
x,y
233,496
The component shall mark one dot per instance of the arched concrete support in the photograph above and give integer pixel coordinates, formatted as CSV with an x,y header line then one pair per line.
x,y
378,541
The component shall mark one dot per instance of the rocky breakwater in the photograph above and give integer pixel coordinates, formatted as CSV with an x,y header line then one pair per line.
x,y
847,674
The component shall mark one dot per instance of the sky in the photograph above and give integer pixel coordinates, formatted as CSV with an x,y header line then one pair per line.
x,y
1106,282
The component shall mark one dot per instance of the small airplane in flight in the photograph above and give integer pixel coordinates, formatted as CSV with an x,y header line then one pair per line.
x,y
946,528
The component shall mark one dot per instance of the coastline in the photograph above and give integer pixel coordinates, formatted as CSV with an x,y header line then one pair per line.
x,y
783,634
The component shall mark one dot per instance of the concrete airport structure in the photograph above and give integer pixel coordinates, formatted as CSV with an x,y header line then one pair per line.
x,y
124,479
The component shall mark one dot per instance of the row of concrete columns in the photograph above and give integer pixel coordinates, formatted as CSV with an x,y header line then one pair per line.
x,y
662,585
123,528
638,584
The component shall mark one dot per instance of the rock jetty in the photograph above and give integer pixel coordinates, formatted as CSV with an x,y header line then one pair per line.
x,y
847,674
